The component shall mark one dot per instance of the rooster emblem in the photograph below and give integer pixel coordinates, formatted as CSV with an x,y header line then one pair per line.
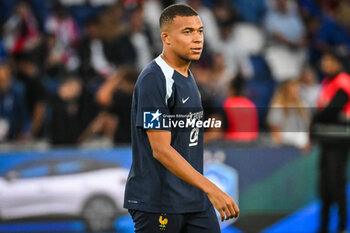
x,y
163,222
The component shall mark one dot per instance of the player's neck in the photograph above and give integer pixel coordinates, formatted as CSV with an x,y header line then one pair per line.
x,y
176,63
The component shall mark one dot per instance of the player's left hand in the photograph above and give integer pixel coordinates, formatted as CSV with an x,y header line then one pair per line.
x,y
225,204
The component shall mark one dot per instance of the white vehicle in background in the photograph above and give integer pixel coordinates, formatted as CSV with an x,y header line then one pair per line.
x,y
88,189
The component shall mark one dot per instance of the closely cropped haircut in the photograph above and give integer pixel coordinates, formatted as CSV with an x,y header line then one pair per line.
x,y
336,57
238,84
174,10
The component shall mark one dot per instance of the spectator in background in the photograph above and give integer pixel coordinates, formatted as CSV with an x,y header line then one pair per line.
x,y
252,11
134,47
233,55
333,34
21,30
288,117
121,106
242,115
140,38
284,25
12,106
220,77
115,96
152,9
235,59
53,61
63,26
93,53
111,24
334,108
28,74
54,57
309,87
312,25
73,108
286,51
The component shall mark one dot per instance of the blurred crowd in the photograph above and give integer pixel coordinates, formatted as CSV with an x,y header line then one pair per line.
x,y
67,68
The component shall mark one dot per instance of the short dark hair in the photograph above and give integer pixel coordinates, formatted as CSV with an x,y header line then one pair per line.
x,y
174,10
334,54
238,84
336,57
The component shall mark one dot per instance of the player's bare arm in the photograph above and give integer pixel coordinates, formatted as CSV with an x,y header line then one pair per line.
x,y
166,86
174,162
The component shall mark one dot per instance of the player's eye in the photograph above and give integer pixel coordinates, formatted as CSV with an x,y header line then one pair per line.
x,y
201,31
187,32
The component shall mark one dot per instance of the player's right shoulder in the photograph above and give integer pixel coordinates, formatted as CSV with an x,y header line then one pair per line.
x,y
150,74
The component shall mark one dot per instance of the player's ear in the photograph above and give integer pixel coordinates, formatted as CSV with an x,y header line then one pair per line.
x,y
165,38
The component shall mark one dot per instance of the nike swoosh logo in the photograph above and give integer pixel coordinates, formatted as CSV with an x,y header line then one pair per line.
x,y
185,100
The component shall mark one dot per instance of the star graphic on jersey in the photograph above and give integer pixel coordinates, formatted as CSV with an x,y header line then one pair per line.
x,y
156,115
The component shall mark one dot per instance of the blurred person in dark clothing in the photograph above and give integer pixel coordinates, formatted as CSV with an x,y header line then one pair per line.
x,y
242,114
121,106
53,56
73,108
28,74
93,53
333,108
134,46
52,61
12,106
115,95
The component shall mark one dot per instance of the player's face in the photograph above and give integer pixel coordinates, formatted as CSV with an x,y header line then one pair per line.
x,y
186,37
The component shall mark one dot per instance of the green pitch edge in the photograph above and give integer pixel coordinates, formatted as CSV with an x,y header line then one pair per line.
x,y
284,191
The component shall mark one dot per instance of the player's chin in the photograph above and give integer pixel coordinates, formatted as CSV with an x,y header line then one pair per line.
x,y
195,56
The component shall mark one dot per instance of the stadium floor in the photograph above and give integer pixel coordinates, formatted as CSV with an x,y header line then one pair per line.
x,y
123,224
306,220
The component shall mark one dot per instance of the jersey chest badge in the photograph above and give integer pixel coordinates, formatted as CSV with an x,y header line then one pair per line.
x,y
163,222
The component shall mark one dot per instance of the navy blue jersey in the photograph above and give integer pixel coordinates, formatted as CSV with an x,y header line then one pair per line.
x,y
162,99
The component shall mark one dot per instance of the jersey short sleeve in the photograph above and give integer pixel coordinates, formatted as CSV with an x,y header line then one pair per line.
x,y
162,99
152,101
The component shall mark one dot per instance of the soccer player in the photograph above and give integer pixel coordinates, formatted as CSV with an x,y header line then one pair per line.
x,y
165,190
